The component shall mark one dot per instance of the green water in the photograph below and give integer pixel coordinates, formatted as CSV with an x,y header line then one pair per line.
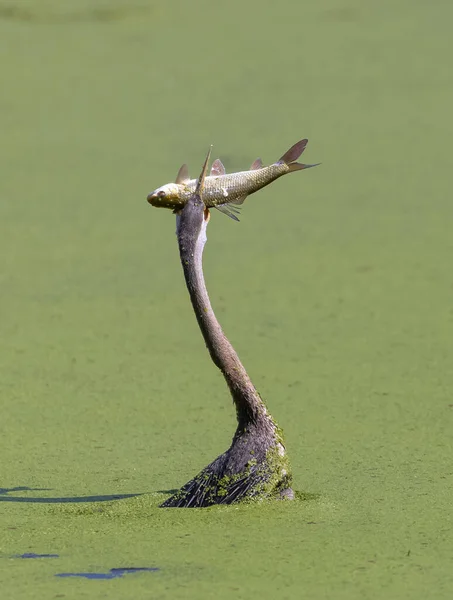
x,y
336,289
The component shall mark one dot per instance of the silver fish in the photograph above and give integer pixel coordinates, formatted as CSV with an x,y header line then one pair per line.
x,y
223,191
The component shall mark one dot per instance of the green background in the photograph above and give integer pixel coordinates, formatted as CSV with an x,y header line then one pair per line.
x,y
336,289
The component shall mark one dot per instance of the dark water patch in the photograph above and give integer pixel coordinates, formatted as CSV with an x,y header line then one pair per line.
x,y
4,491
68,499
112,574
15,13
100,14
33,555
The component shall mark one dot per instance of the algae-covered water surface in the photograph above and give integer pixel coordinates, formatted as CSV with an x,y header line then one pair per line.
x,y
336,289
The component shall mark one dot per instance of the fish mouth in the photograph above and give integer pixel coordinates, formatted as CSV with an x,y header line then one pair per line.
x,y
151,197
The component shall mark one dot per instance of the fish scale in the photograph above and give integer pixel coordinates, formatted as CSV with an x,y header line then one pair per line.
x,y
236,185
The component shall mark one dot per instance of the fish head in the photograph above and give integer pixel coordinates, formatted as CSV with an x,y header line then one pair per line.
x,y
166,196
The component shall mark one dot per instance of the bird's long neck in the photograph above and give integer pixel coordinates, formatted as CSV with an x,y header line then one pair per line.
x,y
191,232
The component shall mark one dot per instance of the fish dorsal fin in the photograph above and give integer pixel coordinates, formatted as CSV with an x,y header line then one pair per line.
x,y
183,174
258,164
200,181
217,167
294,152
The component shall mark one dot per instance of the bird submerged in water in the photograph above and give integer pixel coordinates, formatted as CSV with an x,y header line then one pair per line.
x,y
223,191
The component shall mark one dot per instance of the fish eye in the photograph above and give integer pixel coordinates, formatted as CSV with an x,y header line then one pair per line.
x,y
161,194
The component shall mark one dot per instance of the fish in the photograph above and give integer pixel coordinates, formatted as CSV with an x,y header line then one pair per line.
x,y
223,191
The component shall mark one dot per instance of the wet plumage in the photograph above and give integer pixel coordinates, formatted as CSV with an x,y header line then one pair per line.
x,y
227,191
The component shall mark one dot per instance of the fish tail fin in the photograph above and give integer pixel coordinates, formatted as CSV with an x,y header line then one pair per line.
x,y
295,166
294,152
291,155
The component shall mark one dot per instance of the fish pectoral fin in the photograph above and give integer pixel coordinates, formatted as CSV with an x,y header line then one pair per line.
x,y
228,210
183,174
217,167
257,164
239,201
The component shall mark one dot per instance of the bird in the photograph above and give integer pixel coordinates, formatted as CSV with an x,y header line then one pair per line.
x,y
256,465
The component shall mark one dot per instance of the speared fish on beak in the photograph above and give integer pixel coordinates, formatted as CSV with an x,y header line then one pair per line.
x,y
223,191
